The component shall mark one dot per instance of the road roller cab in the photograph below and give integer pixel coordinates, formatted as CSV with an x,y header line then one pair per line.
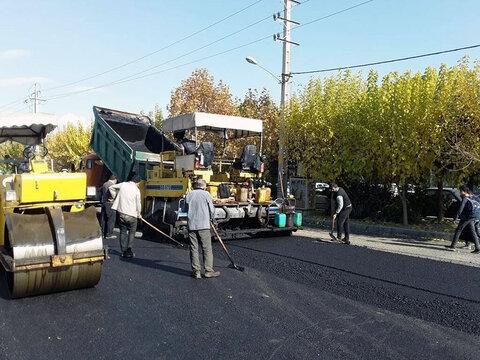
x,y
48,241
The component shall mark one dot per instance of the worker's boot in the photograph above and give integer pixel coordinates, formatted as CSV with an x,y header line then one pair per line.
x,y
332,235
129,253
212,274
196,274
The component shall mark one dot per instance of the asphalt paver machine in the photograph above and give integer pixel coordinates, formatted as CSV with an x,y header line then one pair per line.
x,y
49,242
191,146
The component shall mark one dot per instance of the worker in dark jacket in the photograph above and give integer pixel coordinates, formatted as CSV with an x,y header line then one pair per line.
x,y
108,215
467,220
200,212
342,210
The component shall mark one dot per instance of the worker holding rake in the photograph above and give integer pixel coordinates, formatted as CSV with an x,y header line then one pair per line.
x,y
343,208
201,212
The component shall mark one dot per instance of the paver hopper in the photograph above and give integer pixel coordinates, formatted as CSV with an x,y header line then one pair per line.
x,y
48,241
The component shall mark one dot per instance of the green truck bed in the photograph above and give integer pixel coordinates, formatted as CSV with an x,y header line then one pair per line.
x,y
127,143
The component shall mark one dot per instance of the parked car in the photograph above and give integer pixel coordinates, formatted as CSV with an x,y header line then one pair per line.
x,y
451,202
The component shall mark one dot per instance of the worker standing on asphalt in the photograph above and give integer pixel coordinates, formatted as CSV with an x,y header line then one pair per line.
x,y
128,205
201,212
468,214
108,215
343,208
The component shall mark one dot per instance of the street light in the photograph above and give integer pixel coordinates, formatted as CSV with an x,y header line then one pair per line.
x,y
253,61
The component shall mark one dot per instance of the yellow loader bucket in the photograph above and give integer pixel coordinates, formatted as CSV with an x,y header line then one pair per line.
x,y
53,251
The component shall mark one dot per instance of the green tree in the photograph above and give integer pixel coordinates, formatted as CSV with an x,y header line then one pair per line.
x,y
200,93
68,145
9,152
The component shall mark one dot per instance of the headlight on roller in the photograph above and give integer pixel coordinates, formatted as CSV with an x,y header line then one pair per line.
x,y
91,191
10,195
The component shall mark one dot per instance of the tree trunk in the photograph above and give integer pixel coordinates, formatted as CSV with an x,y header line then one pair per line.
x,y
403,196
440,208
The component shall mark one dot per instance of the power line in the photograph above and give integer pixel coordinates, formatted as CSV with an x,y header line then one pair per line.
x,y
136,77
178,57
10,104
158,50
332,14
121,81
387,61
19,110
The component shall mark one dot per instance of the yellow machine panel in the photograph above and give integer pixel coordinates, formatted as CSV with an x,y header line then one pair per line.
x,y
32,187
168,187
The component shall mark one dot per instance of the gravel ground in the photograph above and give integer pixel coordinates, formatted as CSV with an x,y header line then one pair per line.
x,y
298,298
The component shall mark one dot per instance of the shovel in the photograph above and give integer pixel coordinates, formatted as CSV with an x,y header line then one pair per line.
x,y
232,263
332,235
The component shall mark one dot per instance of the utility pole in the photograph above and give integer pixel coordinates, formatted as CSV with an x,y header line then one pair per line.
x,y
35,97
285,93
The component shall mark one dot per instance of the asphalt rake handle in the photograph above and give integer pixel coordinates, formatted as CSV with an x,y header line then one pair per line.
x,y
161,232
232,263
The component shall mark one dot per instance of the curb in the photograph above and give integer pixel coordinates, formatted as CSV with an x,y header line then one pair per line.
x,y
380,230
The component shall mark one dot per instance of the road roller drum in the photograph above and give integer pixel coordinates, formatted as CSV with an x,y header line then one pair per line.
x,y
52,251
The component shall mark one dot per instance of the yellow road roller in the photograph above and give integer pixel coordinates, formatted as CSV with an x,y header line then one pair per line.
x,y
49,242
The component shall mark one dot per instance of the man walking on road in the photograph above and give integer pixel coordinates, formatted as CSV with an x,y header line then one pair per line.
x,y
468,214
108,214
201,212
343,208
128,206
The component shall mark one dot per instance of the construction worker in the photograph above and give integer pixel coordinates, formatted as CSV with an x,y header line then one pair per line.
x,y
201,212
343,208
108,215
127,204
468,216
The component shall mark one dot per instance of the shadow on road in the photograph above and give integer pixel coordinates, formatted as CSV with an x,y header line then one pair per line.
x,y
154,264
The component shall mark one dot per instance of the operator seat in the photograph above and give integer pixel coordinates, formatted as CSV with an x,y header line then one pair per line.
x,y
207,150
249,160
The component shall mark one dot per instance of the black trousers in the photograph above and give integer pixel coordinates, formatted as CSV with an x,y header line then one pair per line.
x,y
468,226
128,226
343,222
108,219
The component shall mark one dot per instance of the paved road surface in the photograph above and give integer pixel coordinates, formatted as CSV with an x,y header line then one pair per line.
x,y
297,299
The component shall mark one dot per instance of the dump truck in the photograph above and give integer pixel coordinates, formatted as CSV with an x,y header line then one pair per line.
x,y
170,160
49,241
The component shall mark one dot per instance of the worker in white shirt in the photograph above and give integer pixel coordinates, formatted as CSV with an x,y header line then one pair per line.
x,y
128,206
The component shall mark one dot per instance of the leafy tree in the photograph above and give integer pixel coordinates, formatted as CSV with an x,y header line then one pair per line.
x,y
67,146
200,93
402,129
10,150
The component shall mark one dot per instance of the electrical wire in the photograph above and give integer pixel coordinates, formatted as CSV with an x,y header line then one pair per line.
x,y
136,76
139,75
158,50
158,72
386,61
331,15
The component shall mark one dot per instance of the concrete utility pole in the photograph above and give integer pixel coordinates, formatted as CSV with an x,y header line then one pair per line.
x,y
285,93
35,97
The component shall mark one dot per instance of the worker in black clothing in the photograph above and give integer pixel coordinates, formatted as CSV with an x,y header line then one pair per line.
x,y
467,219
342,210
108,215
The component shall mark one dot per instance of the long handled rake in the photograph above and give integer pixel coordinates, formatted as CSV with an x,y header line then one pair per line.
x,y
232,263
161,232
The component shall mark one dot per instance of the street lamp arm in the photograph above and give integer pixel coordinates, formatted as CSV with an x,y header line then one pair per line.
x,y
271,73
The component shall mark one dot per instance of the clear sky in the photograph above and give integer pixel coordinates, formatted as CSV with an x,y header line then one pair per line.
x,y
55,42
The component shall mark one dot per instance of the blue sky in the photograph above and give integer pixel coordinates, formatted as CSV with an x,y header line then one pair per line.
x,y
56,42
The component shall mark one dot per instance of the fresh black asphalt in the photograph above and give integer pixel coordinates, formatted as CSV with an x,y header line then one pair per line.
x,y
297,299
